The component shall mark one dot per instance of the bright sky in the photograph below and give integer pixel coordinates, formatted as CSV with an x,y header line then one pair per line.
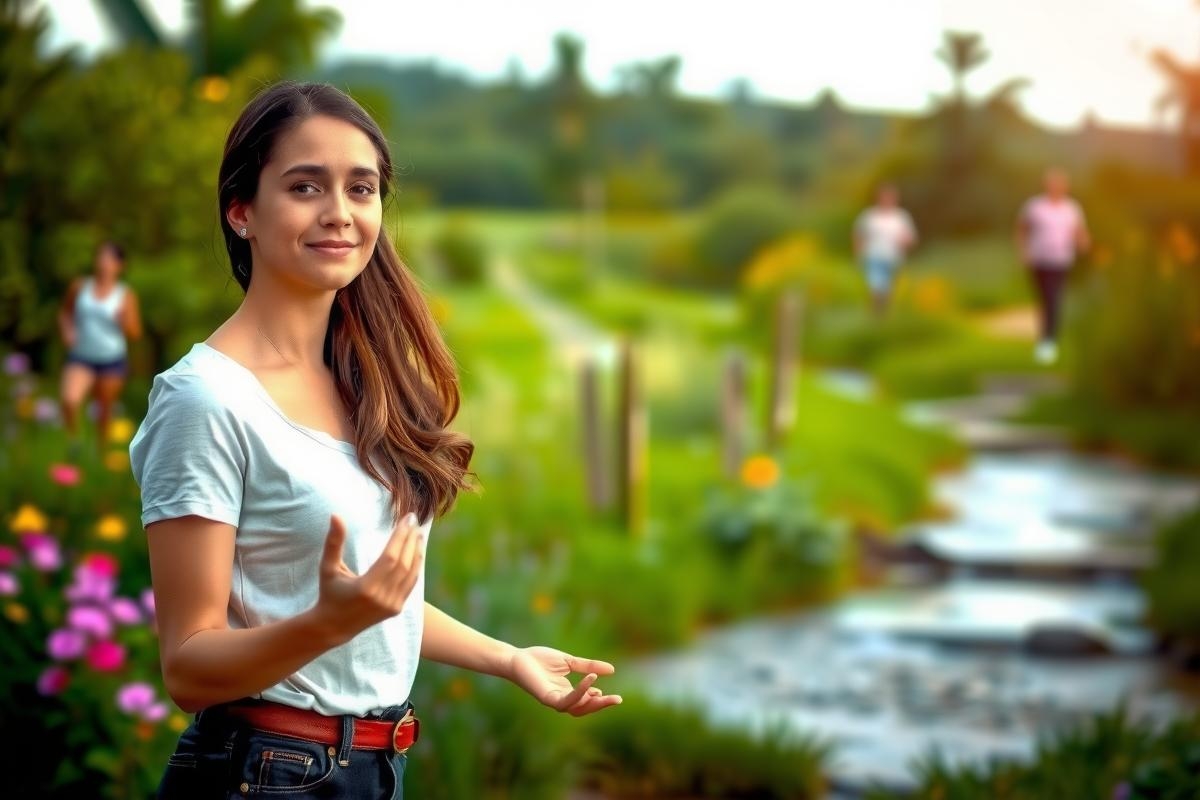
x,y
1080,54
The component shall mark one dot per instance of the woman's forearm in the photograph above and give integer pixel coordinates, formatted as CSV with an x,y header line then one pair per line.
x,y
217,666
448,641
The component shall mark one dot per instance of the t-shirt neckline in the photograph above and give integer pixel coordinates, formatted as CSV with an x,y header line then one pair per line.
x,y
319,436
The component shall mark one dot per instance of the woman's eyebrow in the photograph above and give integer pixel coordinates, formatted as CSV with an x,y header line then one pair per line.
x,y
317,169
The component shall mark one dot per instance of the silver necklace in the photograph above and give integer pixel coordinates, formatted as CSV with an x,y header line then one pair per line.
x,y
263,334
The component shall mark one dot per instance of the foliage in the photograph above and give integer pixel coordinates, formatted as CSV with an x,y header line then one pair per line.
x,y
459,252
734,228
1174,597
649,749
1110,757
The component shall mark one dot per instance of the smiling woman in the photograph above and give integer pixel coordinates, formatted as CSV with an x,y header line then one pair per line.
x,y
291,467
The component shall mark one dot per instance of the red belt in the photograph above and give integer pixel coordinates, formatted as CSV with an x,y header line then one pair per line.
x,y
369,734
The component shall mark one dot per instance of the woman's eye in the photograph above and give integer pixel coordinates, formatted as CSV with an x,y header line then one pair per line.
x,y
364,189
302,188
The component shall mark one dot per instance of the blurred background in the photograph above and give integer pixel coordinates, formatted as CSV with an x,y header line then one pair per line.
x,y
834,553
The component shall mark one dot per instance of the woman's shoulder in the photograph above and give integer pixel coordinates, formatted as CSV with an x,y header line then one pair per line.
x,y
201,380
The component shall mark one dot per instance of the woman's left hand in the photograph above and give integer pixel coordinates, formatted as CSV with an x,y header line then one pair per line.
x,y
543,671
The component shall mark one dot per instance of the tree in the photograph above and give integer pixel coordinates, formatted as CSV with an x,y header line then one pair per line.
x,y
219,41
1183,93
961,52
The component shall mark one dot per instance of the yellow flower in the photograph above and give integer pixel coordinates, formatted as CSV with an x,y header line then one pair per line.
x,y
29,520
120,430
214,88
459,688
116,460
17,613
780,263
932,295
111,528
542,603
25,407
760,472
177,723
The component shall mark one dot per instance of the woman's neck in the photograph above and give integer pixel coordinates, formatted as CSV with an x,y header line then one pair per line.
x,y
290,329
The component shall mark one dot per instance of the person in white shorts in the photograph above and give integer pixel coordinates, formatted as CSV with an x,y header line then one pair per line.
x,y
1051,233
883,236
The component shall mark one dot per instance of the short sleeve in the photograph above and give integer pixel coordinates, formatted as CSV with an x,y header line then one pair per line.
x,y
188,457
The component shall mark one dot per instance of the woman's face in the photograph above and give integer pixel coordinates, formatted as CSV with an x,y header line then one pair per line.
x,y
315,219
108,264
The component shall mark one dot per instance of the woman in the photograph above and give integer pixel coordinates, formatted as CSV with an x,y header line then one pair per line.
x,y
97,318
291,466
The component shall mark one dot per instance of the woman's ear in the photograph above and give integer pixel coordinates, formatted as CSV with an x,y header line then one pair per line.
x,y
238,215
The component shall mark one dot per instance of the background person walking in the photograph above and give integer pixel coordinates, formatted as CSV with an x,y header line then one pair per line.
x,y
1051,232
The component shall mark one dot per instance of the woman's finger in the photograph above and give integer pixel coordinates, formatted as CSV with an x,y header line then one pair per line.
x,y
571,698
590,665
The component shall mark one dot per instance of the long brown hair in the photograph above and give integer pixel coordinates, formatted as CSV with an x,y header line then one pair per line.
x,y
387,356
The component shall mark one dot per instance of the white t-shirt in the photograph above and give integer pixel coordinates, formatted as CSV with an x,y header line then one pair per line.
x,y
214,444
1050,231
885,233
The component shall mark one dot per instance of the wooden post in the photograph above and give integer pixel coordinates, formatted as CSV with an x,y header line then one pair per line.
x,y
733,414
785,348
599,486
632,454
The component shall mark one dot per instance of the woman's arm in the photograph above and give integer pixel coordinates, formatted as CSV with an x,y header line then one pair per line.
x,y
205,662
66,314
541,671
131,316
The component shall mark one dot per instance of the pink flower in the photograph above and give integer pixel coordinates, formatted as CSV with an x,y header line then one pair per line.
x,y
101,564
65,474
124,611
139,699
65,644
90,619
106,656
148,601
8,556
8,584
16,363
133,698
53,680
90,585
45,409
43,551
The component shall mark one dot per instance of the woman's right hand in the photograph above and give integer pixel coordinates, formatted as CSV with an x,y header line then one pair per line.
x,y
350,603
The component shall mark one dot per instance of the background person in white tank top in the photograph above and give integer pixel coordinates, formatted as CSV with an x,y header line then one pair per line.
x,y
98,317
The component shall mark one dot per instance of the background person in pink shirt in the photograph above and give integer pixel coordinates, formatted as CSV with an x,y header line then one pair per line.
x,y
1051,232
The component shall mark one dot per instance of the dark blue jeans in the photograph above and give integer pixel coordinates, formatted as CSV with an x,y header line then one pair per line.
x,y
221,757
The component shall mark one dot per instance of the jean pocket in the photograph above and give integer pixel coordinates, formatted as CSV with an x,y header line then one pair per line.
x,y
197,769
278,764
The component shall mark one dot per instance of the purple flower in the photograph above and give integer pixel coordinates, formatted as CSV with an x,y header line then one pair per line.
x,y
53,680
65,644
90,584
8,584
45,409
1122,791
16,364
90,619
8,556
124,611
43,551
133,698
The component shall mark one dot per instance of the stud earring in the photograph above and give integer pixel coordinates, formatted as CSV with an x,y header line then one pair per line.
x,y
242,233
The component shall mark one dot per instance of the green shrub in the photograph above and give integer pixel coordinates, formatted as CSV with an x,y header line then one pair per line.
x,y
460,253
1109,757
735,227
647,749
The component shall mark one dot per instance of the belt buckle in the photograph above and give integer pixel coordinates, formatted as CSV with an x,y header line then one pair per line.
x,y
409,718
